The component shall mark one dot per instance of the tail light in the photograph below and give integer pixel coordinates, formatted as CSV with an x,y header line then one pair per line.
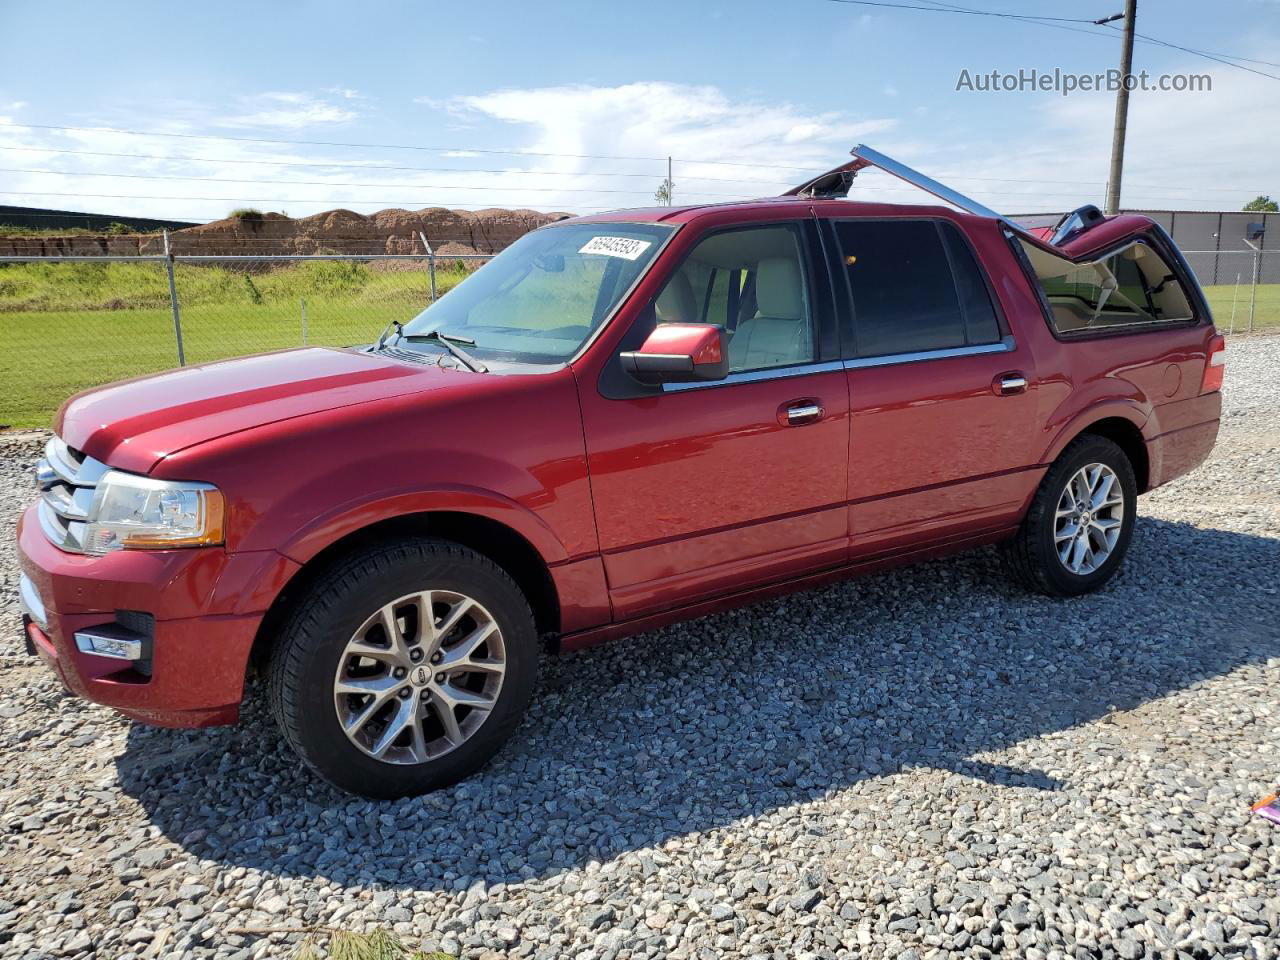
x,y
1215,365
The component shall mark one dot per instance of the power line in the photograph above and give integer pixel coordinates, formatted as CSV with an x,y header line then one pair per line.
x,y
1224,58
379,166
403,203
1217,58
437,186
133,196
558,173
331,183
394,146
1025,18
964,10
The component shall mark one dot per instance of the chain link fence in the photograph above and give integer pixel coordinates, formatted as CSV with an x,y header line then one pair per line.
x,y
70,323
1242,287
67,324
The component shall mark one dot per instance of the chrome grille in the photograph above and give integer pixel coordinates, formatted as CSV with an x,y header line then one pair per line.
x,y
67,480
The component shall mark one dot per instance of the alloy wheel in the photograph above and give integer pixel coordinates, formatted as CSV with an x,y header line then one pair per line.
x,y
419,677
1088,519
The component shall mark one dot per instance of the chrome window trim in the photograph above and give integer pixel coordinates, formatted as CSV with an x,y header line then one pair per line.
x,y
756,376
1006,345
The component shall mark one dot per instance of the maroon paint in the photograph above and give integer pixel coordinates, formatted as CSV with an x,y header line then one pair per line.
x,y
646,510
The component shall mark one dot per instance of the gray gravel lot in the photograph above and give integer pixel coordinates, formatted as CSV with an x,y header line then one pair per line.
x,y
924,763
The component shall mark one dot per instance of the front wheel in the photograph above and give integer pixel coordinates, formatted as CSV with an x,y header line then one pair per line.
x,y
405,668
1078,528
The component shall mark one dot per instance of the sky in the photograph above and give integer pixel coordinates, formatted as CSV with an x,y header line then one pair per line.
x,y
574,106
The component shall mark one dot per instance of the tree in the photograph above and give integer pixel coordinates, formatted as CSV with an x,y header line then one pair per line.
x,y
1262,204
663,193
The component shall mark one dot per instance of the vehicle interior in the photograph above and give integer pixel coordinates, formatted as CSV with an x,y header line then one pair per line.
x,y
750,282
1132,286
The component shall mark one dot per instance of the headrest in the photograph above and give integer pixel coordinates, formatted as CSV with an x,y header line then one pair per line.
x,y
676,303
779,292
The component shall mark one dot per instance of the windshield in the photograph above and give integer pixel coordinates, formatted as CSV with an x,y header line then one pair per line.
x,y
538,300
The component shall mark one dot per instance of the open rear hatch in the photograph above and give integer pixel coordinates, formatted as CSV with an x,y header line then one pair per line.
x,y
1127,264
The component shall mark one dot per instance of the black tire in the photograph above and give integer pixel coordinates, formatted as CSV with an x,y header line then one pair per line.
x,y
306,658
1031,555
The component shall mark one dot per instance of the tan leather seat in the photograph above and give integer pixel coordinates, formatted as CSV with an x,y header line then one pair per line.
x,y
676,303
778,334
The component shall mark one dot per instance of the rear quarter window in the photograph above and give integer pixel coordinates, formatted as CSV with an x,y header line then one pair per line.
x,y
1131,287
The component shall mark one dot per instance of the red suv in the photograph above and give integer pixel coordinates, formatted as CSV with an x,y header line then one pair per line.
x,y
622,421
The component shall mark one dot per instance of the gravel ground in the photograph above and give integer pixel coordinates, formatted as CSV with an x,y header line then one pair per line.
x,y
919,764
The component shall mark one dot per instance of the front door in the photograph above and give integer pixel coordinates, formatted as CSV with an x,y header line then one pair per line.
x,y
707,489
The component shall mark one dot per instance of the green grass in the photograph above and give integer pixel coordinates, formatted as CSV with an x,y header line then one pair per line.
x,y
68,327
65,327
1266,313
110,230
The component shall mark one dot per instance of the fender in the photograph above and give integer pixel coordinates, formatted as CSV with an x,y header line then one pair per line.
x,y
351,517
1136,411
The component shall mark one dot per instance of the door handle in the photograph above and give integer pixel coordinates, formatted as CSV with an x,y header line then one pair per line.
x,y
1009,384
799,412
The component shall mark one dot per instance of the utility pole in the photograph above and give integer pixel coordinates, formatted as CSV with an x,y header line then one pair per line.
x,y
1122,106
670,186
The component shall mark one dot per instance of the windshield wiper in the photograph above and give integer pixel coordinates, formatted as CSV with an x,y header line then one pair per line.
x,y
382,337
447,340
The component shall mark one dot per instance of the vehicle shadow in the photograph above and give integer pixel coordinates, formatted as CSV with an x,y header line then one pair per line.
x,y
697,726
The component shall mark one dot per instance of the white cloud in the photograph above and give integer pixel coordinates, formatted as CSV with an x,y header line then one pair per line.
x,y
706,130
289,110
1190,151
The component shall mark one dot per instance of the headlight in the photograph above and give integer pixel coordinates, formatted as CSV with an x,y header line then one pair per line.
x,y
132,512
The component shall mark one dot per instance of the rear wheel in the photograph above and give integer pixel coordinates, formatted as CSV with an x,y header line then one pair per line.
x,y
405,669
1078,529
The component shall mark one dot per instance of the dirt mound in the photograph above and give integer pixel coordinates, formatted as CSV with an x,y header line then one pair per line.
x,y
391,231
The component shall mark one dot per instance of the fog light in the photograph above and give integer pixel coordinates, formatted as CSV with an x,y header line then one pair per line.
x,y
110,641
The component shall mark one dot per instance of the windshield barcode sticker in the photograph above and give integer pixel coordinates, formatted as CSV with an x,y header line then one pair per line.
x,y
623,247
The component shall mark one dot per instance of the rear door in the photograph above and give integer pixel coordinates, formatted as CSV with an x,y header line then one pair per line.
x,y
706,489
943,398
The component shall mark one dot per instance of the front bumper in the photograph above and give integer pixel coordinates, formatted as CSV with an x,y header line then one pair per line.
x,y
207,606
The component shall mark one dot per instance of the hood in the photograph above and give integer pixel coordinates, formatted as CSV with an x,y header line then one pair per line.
x,y
134,424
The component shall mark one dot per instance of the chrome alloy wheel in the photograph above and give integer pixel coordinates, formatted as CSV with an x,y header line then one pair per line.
x,y
419,677
1089,517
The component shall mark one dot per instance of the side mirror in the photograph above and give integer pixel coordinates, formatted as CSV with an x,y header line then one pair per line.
x,y
680,353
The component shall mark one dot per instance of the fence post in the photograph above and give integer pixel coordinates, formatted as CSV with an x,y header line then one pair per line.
x,y
1234,293
431,264
303,301
1253,294
173,301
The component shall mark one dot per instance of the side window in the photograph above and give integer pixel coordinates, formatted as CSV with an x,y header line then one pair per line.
x,y
751,282
981,325
906,298
1131,287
